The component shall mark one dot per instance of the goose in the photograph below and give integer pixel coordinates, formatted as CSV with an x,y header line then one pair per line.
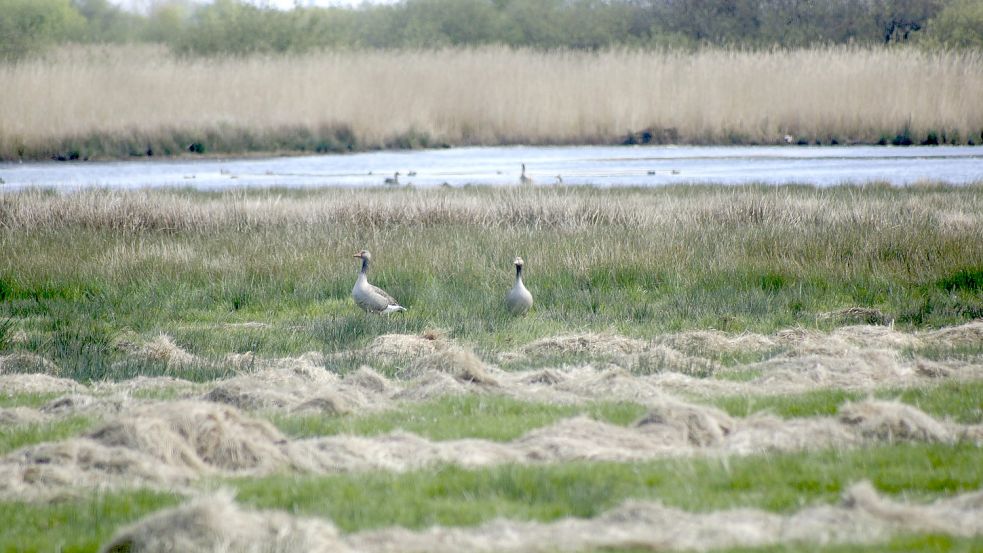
x,y
372,298
559,179
394,180
523,179
519,299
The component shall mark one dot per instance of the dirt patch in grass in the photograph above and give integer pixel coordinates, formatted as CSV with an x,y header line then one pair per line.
x,y
862,516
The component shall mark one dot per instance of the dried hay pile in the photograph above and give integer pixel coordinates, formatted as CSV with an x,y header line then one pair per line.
x,y
216,523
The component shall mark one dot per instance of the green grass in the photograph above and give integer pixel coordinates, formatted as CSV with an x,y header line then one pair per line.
x,y
80,270
74,525
14,437
495,418
960,401
27,400
501,418
455,496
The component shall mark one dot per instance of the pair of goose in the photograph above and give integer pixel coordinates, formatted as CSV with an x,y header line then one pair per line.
x,y
375,300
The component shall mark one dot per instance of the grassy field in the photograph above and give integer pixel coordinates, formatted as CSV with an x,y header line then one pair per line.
x,y
86,277
85,274
123,102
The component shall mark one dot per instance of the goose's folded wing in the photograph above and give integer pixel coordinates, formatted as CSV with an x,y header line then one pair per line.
x,y
381,292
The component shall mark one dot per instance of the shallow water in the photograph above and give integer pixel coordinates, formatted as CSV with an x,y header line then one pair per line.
x,y
591,165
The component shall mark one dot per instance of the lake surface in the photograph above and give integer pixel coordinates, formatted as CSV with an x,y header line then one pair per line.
x,y
592,165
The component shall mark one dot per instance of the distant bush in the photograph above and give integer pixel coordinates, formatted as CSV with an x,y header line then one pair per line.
x,y
959,25
30,26
233,27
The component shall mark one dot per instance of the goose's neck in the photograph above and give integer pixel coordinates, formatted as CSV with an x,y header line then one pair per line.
x,y
365,268
518,273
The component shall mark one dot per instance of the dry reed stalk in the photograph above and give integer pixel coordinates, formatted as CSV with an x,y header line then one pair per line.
x,y
494,95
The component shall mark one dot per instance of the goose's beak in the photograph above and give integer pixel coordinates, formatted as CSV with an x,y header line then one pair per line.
x,y
357,255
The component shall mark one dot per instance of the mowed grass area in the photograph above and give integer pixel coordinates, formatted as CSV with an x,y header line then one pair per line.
x,y
455,496
83,273
125,101
500,418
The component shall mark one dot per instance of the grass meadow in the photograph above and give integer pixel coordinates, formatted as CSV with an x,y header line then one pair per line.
x,y
83,270
271,271
115,102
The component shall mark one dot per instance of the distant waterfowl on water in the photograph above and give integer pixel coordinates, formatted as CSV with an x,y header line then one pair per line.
x,y
372,298
523,179
519,299
393,180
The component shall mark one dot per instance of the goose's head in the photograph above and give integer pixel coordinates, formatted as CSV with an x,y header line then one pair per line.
x,y
363,254
518,261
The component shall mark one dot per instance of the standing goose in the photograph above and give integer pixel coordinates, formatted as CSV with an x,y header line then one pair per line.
x,y
371,298
523,179
519,299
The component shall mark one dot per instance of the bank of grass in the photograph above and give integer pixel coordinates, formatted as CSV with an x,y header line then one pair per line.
x,y
82,270
122,102
495,418
16,436
458,497
501,418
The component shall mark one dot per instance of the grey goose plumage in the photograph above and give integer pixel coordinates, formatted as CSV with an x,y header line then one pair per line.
x,y
372,298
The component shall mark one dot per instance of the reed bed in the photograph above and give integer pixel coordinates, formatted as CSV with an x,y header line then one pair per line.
x,y
117,102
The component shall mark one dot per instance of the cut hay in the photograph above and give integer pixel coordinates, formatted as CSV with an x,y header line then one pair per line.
x,y
401,348
368,379
23,362
327,404
862,516
20,416
594,345
170,444
216,523
861,315
894,421
659,358
458,362
289,383
699,425
75,467
162,349
864,369
15,384
969,334
198,435
702,342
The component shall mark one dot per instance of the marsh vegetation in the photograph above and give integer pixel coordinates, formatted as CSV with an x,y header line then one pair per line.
x,y
120,102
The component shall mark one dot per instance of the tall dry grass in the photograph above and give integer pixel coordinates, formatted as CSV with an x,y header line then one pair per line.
x,y
490,95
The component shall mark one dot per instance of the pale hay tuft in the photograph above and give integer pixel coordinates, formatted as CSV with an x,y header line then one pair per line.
x,y
199,435
968,334
894,421
458,362
863,516
400,348
578,344
215,523
700,425
13,384
161,349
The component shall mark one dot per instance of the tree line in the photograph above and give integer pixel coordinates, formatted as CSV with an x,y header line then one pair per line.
x,y
231,27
